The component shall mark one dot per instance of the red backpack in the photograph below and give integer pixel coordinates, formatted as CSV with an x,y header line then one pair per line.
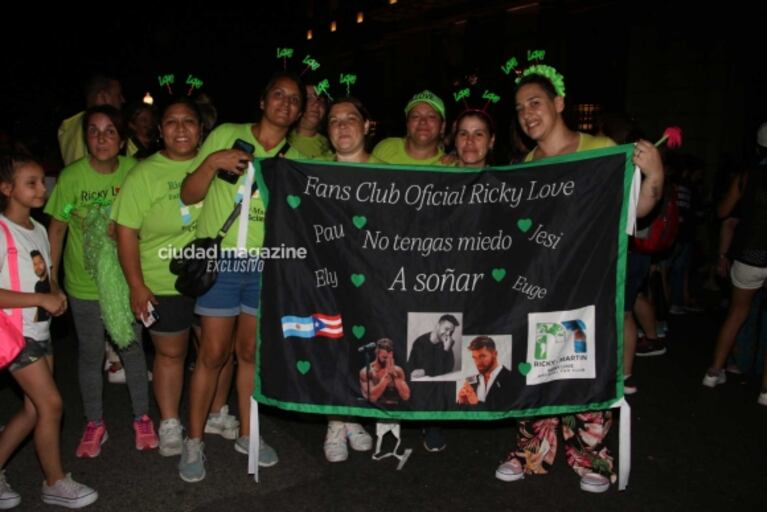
x,y
662,230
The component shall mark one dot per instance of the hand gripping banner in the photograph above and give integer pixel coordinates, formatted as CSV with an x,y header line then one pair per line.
x,y
444,293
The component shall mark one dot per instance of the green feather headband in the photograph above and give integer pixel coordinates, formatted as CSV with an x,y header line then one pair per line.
x,y
556,79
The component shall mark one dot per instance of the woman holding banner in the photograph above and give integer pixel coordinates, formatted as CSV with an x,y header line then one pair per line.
x,y
474,138
229,309
348,125
539,104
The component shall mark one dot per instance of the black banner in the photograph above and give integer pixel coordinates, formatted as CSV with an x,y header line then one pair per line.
x,y
443,293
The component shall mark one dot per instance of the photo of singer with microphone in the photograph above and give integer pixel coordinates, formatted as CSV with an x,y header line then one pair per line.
x,y
382,382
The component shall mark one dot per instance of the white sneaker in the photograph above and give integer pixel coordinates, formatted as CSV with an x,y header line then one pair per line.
x,y
359,439
510,471
68,493
594,482
8,497
171,438
712,381
335,442
762,400
223,424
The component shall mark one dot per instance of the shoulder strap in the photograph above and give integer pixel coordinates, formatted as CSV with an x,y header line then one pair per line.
x,y
236,211
13,269
13,257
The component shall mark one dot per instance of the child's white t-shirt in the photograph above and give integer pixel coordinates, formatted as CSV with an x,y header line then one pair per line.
x,y
34,263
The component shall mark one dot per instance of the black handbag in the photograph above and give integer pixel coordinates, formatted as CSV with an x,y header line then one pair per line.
x,y
197,268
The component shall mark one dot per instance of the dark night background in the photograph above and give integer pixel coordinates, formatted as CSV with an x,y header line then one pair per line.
x,y
664,63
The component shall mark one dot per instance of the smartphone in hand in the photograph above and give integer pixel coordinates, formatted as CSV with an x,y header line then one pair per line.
x,y
232,177
151,315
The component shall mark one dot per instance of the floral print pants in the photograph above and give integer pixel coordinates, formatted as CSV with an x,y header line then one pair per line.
x,y
583,436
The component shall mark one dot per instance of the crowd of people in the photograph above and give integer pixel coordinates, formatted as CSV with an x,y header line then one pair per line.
x,y
180,180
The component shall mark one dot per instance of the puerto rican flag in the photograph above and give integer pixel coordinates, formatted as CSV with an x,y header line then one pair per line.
x,y
328,326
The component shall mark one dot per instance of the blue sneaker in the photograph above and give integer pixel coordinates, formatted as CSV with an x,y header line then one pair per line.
x,y
267,456
191,467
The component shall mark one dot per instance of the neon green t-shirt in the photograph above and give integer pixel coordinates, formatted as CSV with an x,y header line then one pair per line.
x,y
71,141
78,186
392,151
150,202
585,143
222,196
311,147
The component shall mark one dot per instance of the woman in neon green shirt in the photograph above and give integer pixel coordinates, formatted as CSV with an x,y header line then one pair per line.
x,y
87,183
152,221
229,309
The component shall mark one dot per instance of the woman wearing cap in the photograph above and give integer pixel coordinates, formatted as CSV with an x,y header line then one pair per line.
x,y
425,113
539,103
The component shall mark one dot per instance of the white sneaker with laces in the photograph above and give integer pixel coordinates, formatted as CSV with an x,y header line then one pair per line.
x,y
171,438
223,424
8,497
594,482
712,381
335,442
510,471
68,493
359,439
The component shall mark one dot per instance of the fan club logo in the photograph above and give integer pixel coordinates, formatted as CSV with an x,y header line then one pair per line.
x,y
561,345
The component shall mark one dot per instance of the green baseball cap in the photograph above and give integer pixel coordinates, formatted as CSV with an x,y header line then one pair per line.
x,y
428,97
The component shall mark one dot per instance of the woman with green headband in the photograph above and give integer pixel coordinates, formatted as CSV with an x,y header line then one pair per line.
x,y
539,104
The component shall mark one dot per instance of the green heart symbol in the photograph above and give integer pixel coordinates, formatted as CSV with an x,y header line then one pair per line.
x,y
524,368
293,201
359,221
303,367
499,274
358,279
524,224
359,331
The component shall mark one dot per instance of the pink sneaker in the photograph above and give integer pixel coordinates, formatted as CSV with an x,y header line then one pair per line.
x,y
146,439
94,436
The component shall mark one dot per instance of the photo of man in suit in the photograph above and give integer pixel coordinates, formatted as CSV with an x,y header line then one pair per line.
x,y
491,386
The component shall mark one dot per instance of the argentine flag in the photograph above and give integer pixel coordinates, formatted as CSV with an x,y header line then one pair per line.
x,y
299,326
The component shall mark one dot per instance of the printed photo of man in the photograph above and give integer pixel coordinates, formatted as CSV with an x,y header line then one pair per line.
x,y
432,352
43,285
492,385
382,382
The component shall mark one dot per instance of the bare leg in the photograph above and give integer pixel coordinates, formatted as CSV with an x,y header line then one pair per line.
x,y
740,303
41,413
646,315
168,380
215,348
223,385
245,349
629,342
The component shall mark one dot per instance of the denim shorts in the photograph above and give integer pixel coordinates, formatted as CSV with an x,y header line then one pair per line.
x,y
637,271
33,351
236,290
